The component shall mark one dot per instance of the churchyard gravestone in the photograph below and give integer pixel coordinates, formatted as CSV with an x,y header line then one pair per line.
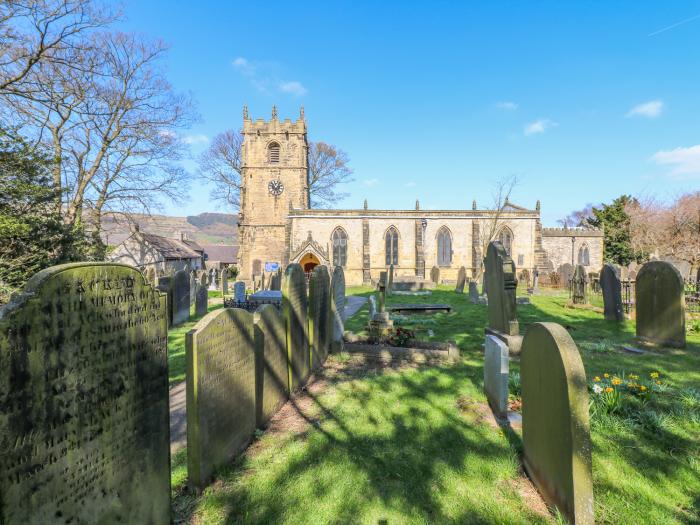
x,y
524,278
193,287
660,304
239,292
165,285
181,297
535,281
201,304
579,282
611,286
320,318
380,324
224,281
566,273
461,279
390,282
372,307
556,434
435,274
294,308
473,292
276,281
210,280
220,391
338,308
271,370
84,421
496,375
500,276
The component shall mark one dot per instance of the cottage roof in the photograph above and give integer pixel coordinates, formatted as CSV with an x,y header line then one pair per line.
x,y
169,248
225,253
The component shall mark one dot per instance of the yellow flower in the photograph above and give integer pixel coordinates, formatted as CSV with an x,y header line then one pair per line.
x,y
616,381
632,376
642,388
658,382
596,379
608,389
654,375
606,375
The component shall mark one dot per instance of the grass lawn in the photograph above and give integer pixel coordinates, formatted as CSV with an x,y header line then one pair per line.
x,y
176,341
410,445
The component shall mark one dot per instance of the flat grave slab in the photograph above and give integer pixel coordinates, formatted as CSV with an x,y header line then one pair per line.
x,y
419,308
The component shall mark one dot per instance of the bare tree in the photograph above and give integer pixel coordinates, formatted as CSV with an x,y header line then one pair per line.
x,y
328,168
220,164
490,226
112,124
35,32
577,218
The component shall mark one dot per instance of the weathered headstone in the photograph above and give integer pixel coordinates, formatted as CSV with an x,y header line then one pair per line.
x,y
294,310
193,288
372,307
181,297
84,421
201,306
556,434
473,292
224,281
579,284
461,279
239,292
496,375
500,275
380,324
524,278
660,304
165,285
535,281
320,316
338,308
210,280
390,282
611,285
566,273
435,274
272,370
220,391
276,281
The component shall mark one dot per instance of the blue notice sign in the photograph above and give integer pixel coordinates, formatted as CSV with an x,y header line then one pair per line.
x,y
272,266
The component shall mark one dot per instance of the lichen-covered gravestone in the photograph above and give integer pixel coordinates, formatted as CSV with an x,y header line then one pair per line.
x,y
461,279
294,310
338,308
496,375
220,391
473,292
501,286
272,371
239,292
612,292
165,285
660,304
578,285
84,422
320,318
556,434
435,274
180,286
201,306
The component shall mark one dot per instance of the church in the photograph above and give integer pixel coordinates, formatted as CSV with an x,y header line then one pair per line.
x,y
278,227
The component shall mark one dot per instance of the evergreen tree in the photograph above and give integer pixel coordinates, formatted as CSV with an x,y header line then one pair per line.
x,y
615,221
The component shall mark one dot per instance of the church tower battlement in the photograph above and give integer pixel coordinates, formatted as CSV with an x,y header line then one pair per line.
x,y
274,179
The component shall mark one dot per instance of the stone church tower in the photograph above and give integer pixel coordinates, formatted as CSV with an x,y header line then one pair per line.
x,y
274,179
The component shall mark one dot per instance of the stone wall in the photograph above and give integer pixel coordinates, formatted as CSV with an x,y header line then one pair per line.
x,y
557,242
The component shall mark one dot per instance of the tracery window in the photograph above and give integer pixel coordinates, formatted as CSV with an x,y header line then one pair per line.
x,y
391,239
444,247
340,247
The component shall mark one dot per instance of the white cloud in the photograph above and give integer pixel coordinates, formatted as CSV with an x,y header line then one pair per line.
x,y
651,109
294,87
410,185
685,161
539,126
507,105
240,63
370,183
195,139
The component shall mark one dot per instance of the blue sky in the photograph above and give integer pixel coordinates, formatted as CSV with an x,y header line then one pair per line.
x,y
437,100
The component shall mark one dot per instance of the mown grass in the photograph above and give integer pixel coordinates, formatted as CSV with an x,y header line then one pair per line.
x,y
395,447
176,341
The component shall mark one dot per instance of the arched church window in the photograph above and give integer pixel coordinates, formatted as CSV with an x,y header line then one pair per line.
x,y
273,153
444,246
506,239
392,246
340,247
584,255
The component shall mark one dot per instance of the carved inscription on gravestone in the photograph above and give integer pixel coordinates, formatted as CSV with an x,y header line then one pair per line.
x,y
84,422
220,391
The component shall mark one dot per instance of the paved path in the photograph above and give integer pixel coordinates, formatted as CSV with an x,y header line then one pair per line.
x,y
178,401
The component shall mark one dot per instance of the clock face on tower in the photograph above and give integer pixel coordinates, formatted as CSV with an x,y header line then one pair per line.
x,y
275,187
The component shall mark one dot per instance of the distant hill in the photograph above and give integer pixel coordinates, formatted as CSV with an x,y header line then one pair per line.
x,y
205,228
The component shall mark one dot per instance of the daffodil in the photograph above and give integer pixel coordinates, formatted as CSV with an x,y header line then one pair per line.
x,y
608,389
616,381
642,388
654,375
606,376
596,379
